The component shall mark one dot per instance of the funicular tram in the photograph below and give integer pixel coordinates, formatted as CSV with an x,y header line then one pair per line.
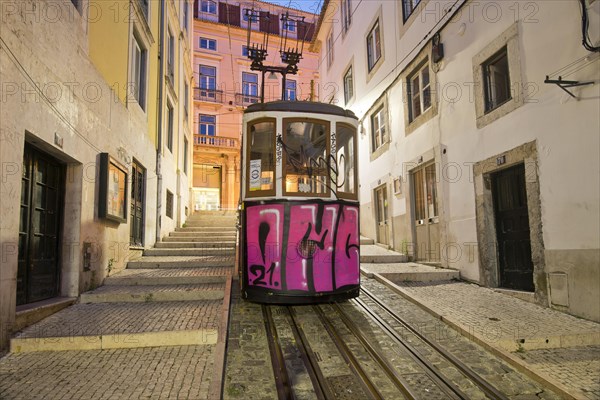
x,y
299,239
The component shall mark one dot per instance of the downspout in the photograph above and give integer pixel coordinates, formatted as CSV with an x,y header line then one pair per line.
x,y
160,121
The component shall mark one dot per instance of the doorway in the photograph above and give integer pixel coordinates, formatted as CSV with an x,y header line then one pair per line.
x,y
426,218
136,227
515,265
42,188
381,212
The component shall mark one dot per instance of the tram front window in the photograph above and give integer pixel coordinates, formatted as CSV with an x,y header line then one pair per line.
x,y
261,159
305,151
345,174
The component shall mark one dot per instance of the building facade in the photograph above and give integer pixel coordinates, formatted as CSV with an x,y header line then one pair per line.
x,y
225,85
470,152
93,138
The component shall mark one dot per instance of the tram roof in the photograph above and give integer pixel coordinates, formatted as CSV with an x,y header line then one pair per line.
x,y
301,106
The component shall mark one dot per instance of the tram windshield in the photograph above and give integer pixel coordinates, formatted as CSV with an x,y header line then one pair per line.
x,y
345,174
306,150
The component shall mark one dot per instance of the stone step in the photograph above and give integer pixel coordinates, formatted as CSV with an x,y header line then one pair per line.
x,y
377,255
98,326
154,262
365,240
410,272
172,276
217,251
215,223
140,294
200,239
203,214
230,230
196,245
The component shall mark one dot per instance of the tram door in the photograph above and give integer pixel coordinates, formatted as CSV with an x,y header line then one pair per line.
x,y
426,221
381,210
41,203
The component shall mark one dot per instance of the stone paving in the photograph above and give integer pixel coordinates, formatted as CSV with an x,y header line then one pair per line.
x,y
176,372
554,346
576,367
515,322
121,318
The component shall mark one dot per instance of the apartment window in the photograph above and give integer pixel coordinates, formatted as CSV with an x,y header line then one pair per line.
x,y
374,46
290,90
138,79
497,77
185,16
185,155
247,12
208,6
170,124
207,127
348,86
245,51
408,7
378,128
419,92
496,80
208,82
249,87
186,95
169,205
346,15
289,26
171,57
330,49
208,44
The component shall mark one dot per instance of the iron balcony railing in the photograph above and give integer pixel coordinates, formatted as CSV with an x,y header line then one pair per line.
x,y
246,99
216,141
208,95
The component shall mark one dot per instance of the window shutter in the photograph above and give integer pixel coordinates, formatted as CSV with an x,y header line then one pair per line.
x,y
264,21
306,31
274,24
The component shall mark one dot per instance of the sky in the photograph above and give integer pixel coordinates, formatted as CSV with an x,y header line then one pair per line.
x,y
313,6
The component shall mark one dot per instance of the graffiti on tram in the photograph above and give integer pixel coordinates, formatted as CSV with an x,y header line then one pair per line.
x,y
305,247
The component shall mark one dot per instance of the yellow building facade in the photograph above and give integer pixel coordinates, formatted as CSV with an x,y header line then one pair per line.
x,y
96,134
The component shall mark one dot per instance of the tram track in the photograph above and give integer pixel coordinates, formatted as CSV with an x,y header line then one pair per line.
x,y
322,352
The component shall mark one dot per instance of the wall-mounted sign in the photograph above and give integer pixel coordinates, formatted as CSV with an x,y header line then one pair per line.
x,y
113,189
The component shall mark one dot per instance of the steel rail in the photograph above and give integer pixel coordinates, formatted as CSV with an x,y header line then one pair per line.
x,y
430,370
347,354
282,380
390,371
322,389
482,383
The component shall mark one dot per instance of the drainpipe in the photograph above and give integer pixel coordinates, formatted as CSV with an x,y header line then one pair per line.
x,y
160,121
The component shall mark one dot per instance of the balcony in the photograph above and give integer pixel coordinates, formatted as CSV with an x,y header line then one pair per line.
x,y
208,95
216,141
246,99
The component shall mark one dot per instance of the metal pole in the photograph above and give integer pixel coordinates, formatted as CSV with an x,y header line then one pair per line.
x,y
283,94
262,87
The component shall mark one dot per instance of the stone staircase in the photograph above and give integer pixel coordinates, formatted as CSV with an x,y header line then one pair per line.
x,y
176,293
377,261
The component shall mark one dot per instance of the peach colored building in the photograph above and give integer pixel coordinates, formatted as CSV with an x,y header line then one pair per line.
x,y
225,85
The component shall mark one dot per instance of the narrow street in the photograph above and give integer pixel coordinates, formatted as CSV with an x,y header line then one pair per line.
x,y
157,330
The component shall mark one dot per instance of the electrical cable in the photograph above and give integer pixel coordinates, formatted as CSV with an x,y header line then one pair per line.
x,y
585,25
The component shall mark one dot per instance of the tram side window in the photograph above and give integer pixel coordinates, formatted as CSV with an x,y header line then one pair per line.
x,y
261,159
346,161
305,152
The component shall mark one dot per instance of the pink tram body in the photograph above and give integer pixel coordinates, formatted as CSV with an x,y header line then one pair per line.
x,y
299,236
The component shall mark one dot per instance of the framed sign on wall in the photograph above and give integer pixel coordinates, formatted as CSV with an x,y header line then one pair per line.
x,y
113,189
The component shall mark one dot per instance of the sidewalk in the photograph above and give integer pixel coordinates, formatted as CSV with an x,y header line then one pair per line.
x,y
552,347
